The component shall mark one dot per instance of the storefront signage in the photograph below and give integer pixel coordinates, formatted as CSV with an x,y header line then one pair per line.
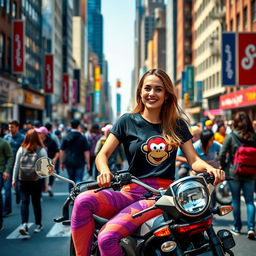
x,y
243,98
65,89
228,58
33,100
247,58
190,82
18,46
48,73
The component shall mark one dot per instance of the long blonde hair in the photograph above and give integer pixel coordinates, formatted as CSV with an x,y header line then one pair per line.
x,y
170,111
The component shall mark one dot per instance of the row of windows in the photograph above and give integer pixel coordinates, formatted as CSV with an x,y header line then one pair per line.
x,y
5,45
9,7
212,82
30,10
207,63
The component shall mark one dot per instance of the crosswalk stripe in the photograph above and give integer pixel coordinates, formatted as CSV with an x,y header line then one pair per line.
x,y
59,230
16,234
56,194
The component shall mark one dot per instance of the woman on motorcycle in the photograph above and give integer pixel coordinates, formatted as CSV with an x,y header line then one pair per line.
x,y
151,135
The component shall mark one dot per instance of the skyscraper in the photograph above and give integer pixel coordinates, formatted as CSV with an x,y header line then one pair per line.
x,y
95,29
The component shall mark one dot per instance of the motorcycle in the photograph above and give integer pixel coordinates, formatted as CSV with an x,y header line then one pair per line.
x,y
184,228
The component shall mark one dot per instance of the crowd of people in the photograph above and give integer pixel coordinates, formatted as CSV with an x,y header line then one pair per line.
x,y
71,148
94,152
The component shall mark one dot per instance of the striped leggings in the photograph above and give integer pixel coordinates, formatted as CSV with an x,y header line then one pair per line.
x,y
118,207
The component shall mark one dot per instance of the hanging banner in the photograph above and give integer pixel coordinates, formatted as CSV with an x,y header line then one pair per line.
x,y
74,93
228,55
97,90
199,91
48,73
18,46
190,82
247,58
88,106
183,84
65,88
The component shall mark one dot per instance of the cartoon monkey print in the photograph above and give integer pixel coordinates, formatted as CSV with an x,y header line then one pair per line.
x,y
157,150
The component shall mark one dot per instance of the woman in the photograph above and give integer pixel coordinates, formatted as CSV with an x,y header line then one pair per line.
x,y
30,150
243,130
151,135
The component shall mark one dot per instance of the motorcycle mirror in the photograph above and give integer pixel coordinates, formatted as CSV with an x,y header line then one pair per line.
x,y
44,167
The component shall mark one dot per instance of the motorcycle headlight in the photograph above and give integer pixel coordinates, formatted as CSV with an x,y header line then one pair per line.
x,y
192,197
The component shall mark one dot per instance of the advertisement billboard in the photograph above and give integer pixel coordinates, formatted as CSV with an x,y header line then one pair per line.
x,y
247,58
228,55
18,46
65,89
48,73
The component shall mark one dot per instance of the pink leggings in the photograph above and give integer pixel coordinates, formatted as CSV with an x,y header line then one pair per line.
x,y
118,206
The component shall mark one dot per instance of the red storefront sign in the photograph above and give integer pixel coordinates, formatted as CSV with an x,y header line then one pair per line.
x,y
18,46
65,89
48,73
243,98
247,58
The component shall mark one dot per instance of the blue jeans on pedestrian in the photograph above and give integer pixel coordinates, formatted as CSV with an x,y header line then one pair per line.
x,y
8,195
75,174
247,186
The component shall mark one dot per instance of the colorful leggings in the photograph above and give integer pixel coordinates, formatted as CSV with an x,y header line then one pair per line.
x,y
118,206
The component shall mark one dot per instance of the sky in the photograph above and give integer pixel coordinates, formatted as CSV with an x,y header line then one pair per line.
x,y
118,34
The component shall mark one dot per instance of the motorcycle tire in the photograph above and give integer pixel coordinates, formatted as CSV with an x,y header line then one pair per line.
x,y
72,251
223,193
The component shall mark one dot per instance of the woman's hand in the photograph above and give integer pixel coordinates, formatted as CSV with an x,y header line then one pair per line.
x,y
104,179
219,175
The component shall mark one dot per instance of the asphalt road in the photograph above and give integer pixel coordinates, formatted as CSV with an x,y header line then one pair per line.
x,y
54,238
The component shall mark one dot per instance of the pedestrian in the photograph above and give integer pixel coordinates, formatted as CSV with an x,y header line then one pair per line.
x,y
242,131
52,152
74,153
14,138
30,150
151,135
3,129
208,124
93,136
220,135
6,162
181,160
113,158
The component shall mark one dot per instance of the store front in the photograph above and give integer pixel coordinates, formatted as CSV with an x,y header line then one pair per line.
x,y
8,99
31,106
244,100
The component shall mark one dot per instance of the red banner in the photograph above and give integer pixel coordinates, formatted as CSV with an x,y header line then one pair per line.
x,y
48,73
18,46
74,93
243,98
65,89
247,58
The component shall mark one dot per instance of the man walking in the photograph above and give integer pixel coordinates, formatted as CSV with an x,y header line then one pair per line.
x,y
14,138
75,153
6,162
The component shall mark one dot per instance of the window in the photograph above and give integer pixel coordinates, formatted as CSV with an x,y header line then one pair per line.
x,y
14,10
2,3
253,8
238,22
2,47
245,17
231,25
8,6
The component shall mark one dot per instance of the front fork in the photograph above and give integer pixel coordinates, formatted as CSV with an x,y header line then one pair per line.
x,y
216,245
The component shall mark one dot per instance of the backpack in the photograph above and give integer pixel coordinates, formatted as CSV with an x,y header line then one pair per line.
x,y
27,165
244,159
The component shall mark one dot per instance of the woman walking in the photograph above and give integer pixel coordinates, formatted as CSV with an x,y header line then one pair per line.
x,y
244,134
30,186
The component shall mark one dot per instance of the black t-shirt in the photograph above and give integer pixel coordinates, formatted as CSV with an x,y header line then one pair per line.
x,y
147,152
51,147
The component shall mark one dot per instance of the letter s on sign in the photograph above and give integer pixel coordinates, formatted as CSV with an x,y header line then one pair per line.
x,y
248,61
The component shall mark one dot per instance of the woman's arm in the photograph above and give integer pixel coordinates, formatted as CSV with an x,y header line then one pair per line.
x,y
16,165
101,160
198,165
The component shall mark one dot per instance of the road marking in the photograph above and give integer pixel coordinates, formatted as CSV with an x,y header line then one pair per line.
x,y
56,194
16,234
59,230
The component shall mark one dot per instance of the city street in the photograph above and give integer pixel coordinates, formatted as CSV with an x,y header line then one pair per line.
x,y
54,239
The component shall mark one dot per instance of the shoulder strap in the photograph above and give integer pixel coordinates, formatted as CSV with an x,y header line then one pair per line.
x,y
238,142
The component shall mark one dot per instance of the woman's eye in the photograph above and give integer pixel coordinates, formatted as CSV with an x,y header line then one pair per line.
x,y
158,90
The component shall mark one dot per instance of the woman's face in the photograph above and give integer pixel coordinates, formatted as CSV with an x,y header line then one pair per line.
x,y
153,93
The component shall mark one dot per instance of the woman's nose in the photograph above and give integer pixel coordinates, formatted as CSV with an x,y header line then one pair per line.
x,y
152,92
